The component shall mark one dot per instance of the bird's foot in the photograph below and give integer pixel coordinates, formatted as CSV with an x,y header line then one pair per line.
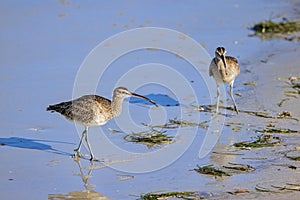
x,y
77,154
93,159
236,110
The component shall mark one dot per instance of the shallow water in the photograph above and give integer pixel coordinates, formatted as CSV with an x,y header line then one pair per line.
x,y
43,46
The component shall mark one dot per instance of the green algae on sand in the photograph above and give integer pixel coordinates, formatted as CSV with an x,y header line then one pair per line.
x,y
271,27
150,139
261,141
167,195
278,130
287,30
211,170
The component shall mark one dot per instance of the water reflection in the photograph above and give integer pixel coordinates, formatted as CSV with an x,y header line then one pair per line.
x,y
223,152
88,193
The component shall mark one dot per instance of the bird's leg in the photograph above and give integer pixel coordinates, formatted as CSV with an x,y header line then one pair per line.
x,y
77,150
234,104
218,99
89,147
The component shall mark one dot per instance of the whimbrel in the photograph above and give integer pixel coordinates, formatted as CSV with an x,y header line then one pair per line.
x,y
224,69
93,110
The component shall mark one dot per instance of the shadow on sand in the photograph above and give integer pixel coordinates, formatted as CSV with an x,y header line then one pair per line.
x,y
160,99
25,143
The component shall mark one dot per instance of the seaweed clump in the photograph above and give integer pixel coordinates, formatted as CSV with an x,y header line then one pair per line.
x,y
176,123
226,170
149,139
261,141
211,170
270,29
166,195
278,130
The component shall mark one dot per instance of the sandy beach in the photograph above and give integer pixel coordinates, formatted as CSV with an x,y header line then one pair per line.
x,y
44,47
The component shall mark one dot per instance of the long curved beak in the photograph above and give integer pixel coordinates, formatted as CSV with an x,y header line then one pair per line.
x,y
223,60
145,98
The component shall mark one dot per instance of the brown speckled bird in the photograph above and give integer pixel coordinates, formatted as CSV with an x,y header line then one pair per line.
x,y
224,69
93,110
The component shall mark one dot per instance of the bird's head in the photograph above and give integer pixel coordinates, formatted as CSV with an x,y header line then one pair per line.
x,y
220,54
122,93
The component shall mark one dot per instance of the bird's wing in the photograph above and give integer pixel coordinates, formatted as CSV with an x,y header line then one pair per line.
x,y
232,59
211,67
89,106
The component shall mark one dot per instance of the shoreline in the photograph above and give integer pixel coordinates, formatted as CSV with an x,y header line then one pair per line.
x,y
270,70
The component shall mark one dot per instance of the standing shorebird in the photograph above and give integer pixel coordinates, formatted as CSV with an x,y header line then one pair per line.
x,y
93,110
224,69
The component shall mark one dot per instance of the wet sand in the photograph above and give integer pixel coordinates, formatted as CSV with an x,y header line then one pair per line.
x,y
271,75
36,146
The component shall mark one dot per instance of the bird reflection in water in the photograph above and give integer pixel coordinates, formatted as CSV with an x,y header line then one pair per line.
x,y
88,193
223,153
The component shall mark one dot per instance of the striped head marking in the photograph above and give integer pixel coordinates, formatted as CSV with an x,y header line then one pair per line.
x,y
220,54
122,91
220,51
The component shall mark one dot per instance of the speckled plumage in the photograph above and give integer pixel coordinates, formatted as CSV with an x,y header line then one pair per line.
x,y
224,69
219,72
88,110
93,110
